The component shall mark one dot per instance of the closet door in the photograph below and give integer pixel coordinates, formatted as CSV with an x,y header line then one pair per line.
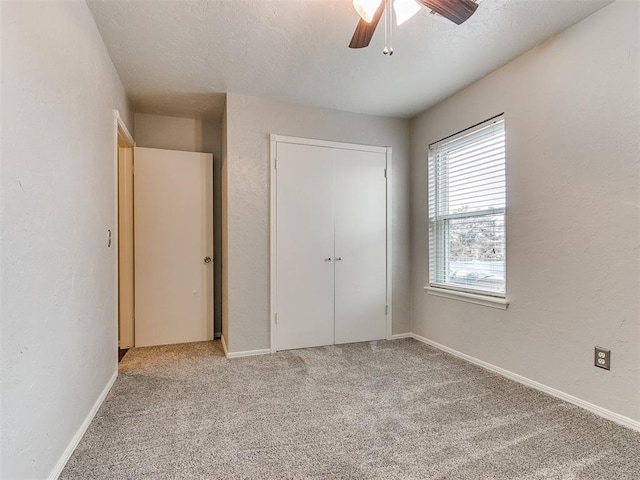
x,y
360,246
304,252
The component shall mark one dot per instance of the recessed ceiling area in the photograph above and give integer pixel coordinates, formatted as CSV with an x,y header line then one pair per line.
x,y
180,57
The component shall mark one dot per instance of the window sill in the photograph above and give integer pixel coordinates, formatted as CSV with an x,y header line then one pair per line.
x,y
484,300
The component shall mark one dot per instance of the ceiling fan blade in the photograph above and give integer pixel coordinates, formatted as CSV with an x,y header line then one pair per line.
x,y
364,30
458,11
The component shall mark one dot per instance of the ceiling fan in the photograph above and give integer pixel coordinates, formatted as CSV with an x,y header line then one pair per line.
x,y
371,11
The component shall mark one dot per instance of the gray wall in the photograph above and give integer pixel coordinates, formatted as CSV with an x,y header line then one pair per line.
x,y
572,111
249,122
191,135
59,320
177,133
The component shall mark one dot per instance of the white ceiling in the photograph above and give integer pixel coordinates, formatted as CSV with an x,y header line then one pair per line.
x,y
180,57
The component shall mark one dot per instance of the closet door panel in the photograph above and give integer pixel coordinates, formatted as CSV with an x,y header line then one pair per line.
x,y
305,229
360,246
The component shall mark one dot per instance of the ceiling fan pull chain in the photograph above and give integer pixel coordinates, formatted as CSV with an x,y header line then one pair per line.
x,y
388,27
390,16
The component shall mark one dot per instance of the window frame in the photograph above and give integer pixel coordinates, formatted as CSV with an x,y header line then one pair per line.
x,y
439,224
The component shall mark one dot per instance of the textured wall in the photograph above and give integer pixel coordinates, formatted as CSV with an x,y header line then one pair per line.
x,y
59,325
250,120
572,111
191,135
176,133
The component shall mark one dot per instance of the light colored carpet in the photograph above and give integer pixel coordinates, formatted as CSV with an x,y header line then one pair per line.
x,y
378,410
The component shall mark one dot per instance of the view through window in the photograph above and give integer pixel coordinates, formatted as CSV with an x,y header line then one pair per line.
x,y
467,197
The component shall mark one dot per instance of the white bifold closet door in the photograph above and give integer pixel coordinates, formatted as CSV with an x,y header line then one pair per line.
x,y
360,246
330,246
305,256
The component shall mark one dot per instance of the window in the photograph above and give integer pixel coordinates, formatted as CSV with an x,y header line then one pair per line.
x,y
467,192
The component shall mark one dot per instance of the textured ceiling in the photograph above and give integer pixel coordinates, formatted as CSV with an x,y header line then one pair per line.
x,y
180,57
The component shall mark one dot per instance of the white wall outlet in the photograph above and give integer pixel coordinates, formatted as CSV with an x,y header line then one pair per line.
x,y
602,358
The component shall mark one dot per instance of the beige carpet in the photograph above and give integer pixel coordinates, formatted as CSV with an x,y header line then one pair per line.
x,y
378,410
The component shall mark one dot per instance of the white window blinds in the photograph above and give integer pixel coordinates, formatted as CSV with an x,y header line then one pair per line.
x,y
467,197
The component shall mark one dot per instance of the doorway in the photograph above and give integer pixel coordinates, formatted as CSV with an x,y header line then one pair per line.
x,y
164,244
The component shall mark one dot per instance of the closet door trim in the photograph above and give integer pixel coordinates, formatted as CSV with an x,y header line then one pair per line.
x,y
274,140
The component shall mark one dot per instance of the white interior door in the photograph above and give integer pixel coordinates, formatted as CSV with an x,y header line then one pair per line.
x,y
304,252
360,246
173,220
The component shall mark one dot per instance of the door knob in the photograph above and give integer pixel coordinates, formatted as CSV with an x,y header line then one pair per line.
x,y
207,259
328,259
339,259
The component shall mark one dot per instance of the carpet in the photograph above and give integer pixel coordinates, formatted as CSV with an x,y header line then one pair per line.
x,y
376,410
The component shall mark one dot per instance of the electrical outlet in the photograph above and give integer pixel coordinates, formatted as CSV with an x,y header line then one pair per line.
x,y
602,358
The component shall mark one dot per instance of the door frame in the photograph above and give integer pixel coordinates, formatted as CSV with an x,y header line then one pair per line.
x,y
273,216
122,139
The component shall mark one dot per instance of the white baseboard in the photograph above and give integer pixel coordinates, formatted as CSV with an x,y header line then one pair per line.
x,y
398,336
246,353
66,455
602,412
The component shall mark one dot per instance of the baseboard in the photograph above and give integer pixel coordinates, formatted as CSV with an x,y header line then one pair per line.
x,y
66,455
224,346
602,412
248,353
398,336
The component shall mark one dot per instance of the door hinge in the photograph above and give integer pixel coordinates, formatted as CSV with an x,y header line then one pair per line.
x,y
386,309
276,164
276,318
385,173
